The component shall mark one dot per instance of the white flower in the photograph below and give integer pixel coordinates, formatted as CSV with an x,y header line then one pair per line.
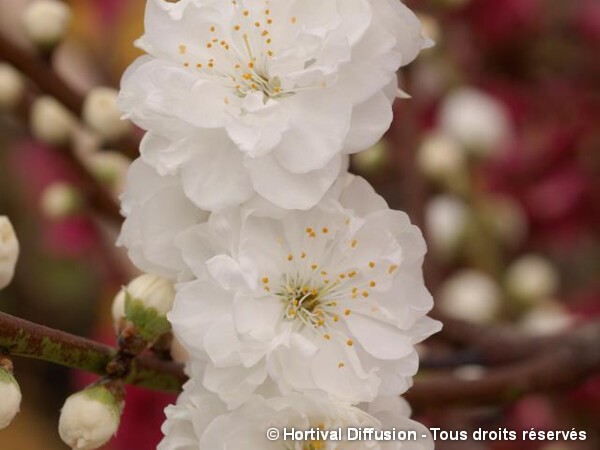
x,y
257,96
441,158
471,295
476,119
547,319
330,299
10,393
9,251
201,421
89,418
156,212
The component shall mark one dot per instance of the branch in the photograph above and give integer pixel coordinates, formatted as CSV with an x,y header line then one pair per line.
x,y
575,358
22,338
48,81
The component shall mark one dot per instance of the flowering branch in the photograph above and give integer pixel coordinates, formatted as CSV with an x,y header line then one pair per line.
x,y
22,338
575,358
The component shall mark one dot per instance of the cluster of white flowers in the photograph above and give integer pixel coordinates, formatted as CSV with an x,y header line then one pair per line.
x,y
300,294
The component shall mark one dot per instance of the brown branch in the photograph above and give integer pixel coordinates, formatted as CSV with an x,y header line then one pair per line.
x,y
22,338
43,75
575,358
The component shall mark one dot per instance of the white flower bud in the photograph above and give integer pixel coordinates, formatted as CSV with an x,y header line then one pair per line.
x,y
118,308
51,123
101,114
470,295
178,352
61,200
90,418
10,398
9,251
154,292
372,159
477,120
547,319
110,168
148,300
46,22
446,220
12,86
532,278
507,218
441,158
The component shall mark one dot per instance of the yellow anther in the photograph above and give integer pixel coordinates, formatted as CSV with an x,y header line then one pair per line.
x,y
265,280
392,269
365,294
341,365
372,284
293,19
349,342
347,312
327,336
314,266
354,243
290,257
182,49
371,264
302,255
246,13
325,230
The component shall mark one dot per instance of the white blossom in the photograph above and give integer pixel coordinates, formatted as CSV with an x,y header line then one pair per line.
x,y
266,97
10,393
441,158
446,219
201,421
331,299
156,212
9,251
89,418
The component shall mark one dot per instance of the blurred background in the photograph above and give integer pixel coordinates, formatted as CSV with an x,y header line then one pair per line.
x,y
496,156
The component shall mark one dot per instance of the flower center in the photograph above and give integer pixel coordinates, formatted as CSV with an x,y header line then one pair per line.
x,y
239,55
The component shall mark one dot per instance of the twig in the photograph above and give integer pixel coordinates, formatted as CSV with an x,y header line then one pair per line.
x,y
575,358
22,338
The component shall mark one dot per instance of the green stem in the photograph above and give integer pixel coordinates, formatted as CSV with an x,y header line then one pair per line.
x,y
22,338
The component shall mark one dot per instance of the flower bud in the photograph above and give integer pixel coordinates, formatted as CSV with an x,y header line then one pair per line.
x,y
532,278
446,220
90,418
46,23
373,159
471,295
477,120
10,398
118,309
547,319
51,123
148,300
101,114
9,251
110,168
12,86
61,200
441,158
